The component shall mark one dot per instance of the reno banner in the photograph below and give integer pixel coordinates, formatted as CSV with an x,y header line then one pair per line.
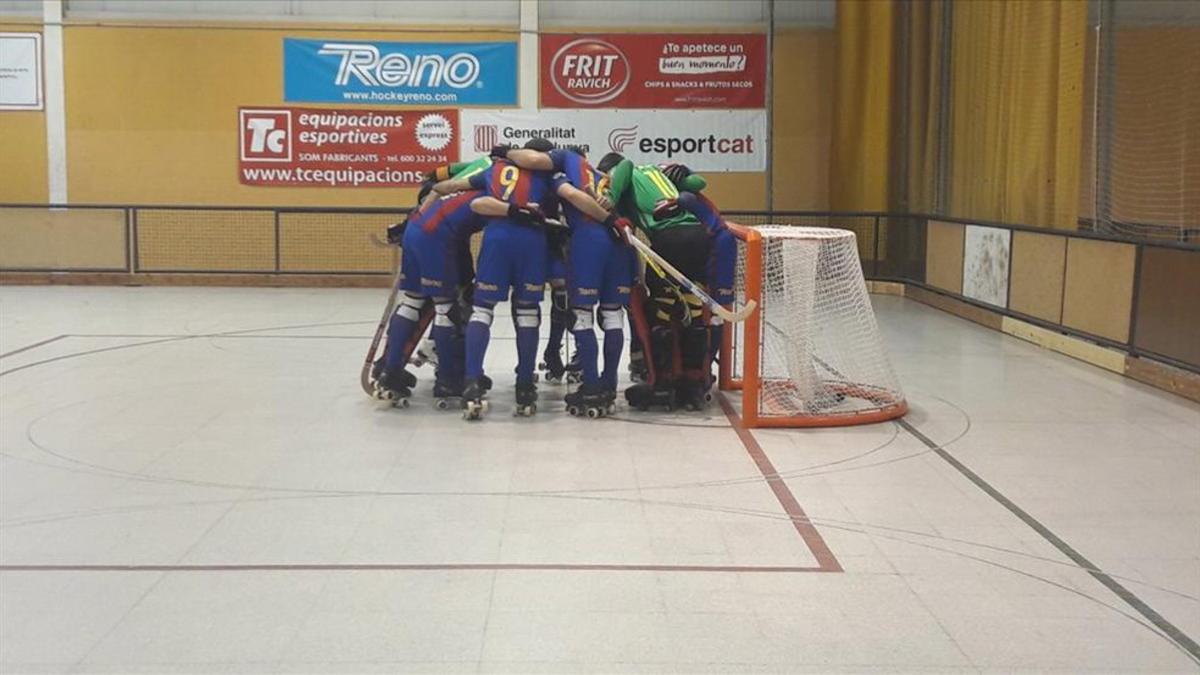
x,y
705,140
311,147
400,73
723,70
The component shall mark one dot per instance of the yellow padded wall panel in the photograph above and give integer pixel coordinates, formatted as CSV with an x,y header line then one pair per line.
x,y
23,168
802,119
217,241
1036,282
152,112
334,242
944,255
60,239
1099,287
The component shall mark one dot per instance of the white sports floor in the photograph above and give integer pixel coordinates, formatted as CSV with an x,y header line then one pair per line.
x,y
192,481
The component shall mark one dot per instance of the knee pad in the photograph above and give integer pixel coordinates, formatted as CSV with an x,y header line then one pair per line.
x,y
527,316
410,306
560,313
445,317
611,318
483,314
584,318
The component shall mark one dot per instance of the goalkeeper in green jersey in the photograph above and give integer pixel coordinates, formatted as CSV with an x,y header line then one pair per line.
x,y
672,329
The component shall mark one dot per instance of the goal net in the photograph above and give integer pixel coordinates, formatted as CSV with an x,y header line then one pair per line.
x,y
812,354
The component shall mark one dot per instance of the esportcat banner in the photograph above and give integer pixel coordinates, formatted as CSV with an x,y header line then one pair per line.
x,y
321,147
705,140
654,70
399,73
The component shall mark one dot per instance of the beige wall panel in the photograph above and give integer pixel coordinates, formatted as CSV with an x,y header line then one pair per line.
x,y
62,240
206,240
944,256
334,242
1037,275
1099,287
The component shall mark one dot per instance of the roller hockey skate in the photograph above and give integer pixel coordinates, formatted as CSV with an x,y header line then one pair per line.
x,y
447,395
527,396
694,395
637,368
474,405
407,379
646,396
392,389
591,401
552,367
574,373
425,353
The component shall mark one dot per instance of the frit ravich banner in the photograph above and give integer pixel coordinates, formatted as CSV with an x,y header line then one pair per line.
x,y
400,73
654,71
705,140
310,147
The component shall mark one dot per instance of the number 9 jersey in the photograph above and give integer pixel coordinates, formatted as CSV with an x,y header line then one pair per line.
x,y
513,254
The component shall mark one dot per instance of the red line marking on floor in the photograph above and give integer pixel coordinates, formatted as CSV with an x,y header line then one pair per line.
x,y
386,567
812,538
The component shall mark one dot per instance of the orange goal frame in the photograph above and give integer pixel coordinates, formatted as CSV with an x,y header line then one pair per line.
x,y
890,405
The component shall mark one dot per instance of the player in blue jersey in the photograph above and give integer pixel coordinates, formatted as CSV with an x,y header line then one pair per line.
x,y
512,256
435,266
599,270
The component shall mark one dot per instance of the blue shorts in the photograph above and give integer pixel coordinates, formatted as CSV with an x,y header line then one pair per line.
x,y
600,269
429,262
511,256
722,266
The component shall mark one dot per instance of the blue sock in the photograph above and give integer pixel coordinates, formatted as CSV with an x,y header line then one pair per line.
x,y
400,331
585,345
558,326
527,319
449,349
614,344
478,335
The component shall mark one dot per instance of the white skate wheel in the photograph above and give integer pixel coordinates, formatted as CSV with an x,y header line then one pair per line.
x,y
402,403
593,413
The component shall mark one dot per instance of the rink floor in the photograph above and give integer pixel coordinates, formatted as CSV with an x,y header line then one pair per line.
x,y
192,481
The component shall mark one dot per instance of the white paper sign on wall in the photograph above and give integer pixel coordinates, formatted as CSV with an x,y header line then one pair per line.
x,y
21,71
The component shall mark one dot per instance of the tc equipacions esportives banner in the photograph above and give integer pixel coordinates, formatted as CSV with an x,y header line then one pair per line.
x,y
705,140
311,147
400,73
647,70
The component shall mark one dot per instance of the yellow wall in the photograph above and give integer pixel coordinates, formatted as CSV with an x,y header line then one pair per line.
x,y
802,119
152,113
23,147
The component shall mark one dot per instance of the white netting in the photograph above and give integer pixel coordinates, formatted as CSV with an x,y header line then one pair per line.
x,y
821,354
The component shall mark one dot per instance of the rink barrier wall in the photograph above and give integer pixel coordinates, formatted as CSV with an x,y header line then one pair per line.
x,y
1136,298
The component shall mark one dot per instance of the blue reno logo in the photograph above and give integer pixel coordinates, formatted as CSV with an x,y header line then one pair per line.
x,y
400,73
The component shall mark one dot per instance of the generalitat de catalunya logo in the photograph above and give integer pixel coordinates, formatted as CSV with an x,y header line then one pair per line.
x,y
621,138
487,136
589,71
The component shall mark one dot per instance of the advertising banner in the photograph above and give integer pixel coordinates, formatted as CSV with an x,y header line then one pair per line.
x,y
311,147
641,70
400,73
705,140
21,71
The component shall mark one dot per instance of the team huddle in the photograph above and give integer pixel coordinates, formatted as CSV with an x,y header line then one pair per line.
x,y
549,217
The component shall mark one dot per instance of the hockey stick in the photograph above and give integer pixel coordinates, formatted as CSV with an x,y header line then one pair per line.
x,y
364,377
717,308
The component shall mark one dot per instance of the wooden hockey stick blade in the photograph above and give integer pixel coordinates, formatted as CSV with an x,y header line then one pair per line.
x,y
379,243
652,257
